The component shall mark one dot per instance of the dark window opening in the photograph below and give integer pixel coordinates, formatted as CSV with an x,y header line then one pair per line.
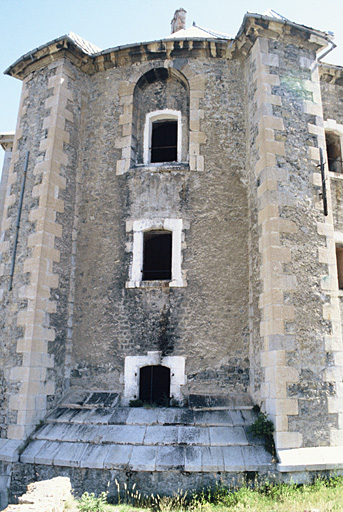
x,y
334,153
157,255
339,259
154,384
164,141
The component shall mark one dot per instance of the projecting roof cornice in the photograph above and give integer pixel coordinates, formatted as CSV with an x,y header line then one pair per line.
x,y
331,74
257,25
91,59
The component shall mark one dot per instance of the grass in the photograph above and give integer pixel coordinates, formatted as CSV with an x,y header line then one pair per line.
x,y
321,496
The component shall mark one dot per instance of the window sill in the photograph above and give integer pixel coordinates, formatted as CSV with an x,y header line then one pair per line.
x,y
336,175
154,284
162,167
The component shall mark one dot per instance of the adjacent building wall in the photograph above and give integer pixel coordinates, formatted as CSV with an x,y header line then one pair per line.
x,y
300,358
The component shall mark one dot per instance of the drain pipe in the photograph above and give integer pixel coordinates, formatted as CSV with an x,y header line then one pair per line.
x,y
333,46
23,181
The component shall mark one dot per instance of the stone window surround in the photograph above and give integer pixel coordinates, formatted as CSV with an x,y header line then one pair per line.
x,y
135,272
331,126
134,363
197,137
160,115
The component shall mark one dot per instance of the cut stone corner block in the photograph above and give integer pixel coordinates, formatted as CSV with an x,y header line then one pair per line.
x,y
310,459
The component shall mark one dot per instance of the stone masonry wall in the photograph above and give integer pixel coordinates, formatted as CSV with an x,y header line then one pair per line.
x,y
33,358
300,316
206,321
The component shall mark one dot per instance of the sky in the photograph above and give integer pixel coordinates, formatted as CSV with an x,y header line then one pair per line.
x,y
27,24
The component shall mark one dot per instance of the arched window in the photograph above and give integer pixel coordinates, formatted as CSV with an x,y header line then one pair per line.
x,y
160,128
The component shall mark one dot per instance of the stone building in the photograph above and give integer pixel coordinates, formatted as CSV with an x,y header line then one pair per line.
x,y
171,235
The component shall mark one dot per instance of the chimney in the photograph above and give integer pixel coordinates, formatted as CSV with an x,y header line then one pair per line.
x,y
179,20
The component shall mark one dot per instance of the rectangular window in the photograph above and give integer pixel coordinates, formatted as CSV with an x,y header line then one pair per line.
x,y
164,141
339,259
157,255
334,152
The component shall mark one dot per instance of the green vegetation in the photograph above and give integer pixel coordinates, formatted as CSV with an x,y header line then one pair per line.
x,y
321,496
262,427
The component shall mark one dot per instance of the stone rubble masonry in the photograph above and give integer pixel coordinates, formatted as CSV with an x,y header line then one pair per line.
x,y
196,138
274,312
333,343
30,401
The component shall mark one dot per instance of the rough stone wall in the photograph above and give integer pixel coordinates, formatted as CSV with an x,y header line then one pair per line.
x,y
206,321
33,358
332,99
300,315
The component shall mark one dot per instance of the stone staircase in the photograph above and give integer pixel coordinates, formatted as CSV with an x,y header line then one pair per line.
x,y
91,430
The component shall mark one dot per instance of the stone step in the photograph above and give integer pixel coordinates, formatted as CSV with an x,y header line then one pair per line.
x,y
153,416
148,458
146,434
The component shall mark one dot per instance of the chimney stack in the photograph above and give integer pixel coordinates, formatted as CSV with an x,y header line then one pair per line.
x,y
179,20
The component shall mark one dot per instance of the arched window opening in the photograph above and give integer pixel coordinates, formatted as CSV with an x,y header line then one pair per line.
x,y
160,128
164,141
154,384
157,255
334,152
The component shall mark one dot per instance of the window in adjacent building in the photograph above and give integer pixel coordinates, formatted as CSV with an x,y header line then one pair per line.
x,y
334,152
154,384
164,141
339,259
157,255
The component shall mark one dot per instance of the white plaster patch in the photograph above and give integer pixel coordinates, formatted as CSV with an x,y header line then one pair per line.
x,y
134,363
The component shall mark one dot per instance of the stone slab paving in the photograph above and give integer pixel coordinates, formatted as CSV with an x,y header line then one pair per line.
x,y
237,418
212,458
161,435
94,456
213,418
194,435
193,458
47,453
142,416
119,416
122,434
223,436
70,454
101,416
143,458
9,450
174,416
30,452
118,456
89,434
233,458
256,456
170,458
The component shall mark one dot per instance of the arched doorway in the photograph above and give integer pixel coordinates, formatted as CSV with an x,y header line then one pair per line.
x,y
154,384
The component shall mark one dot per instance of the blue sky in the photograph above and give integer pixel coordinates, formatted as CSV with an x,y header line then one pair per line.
x,y
26,24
